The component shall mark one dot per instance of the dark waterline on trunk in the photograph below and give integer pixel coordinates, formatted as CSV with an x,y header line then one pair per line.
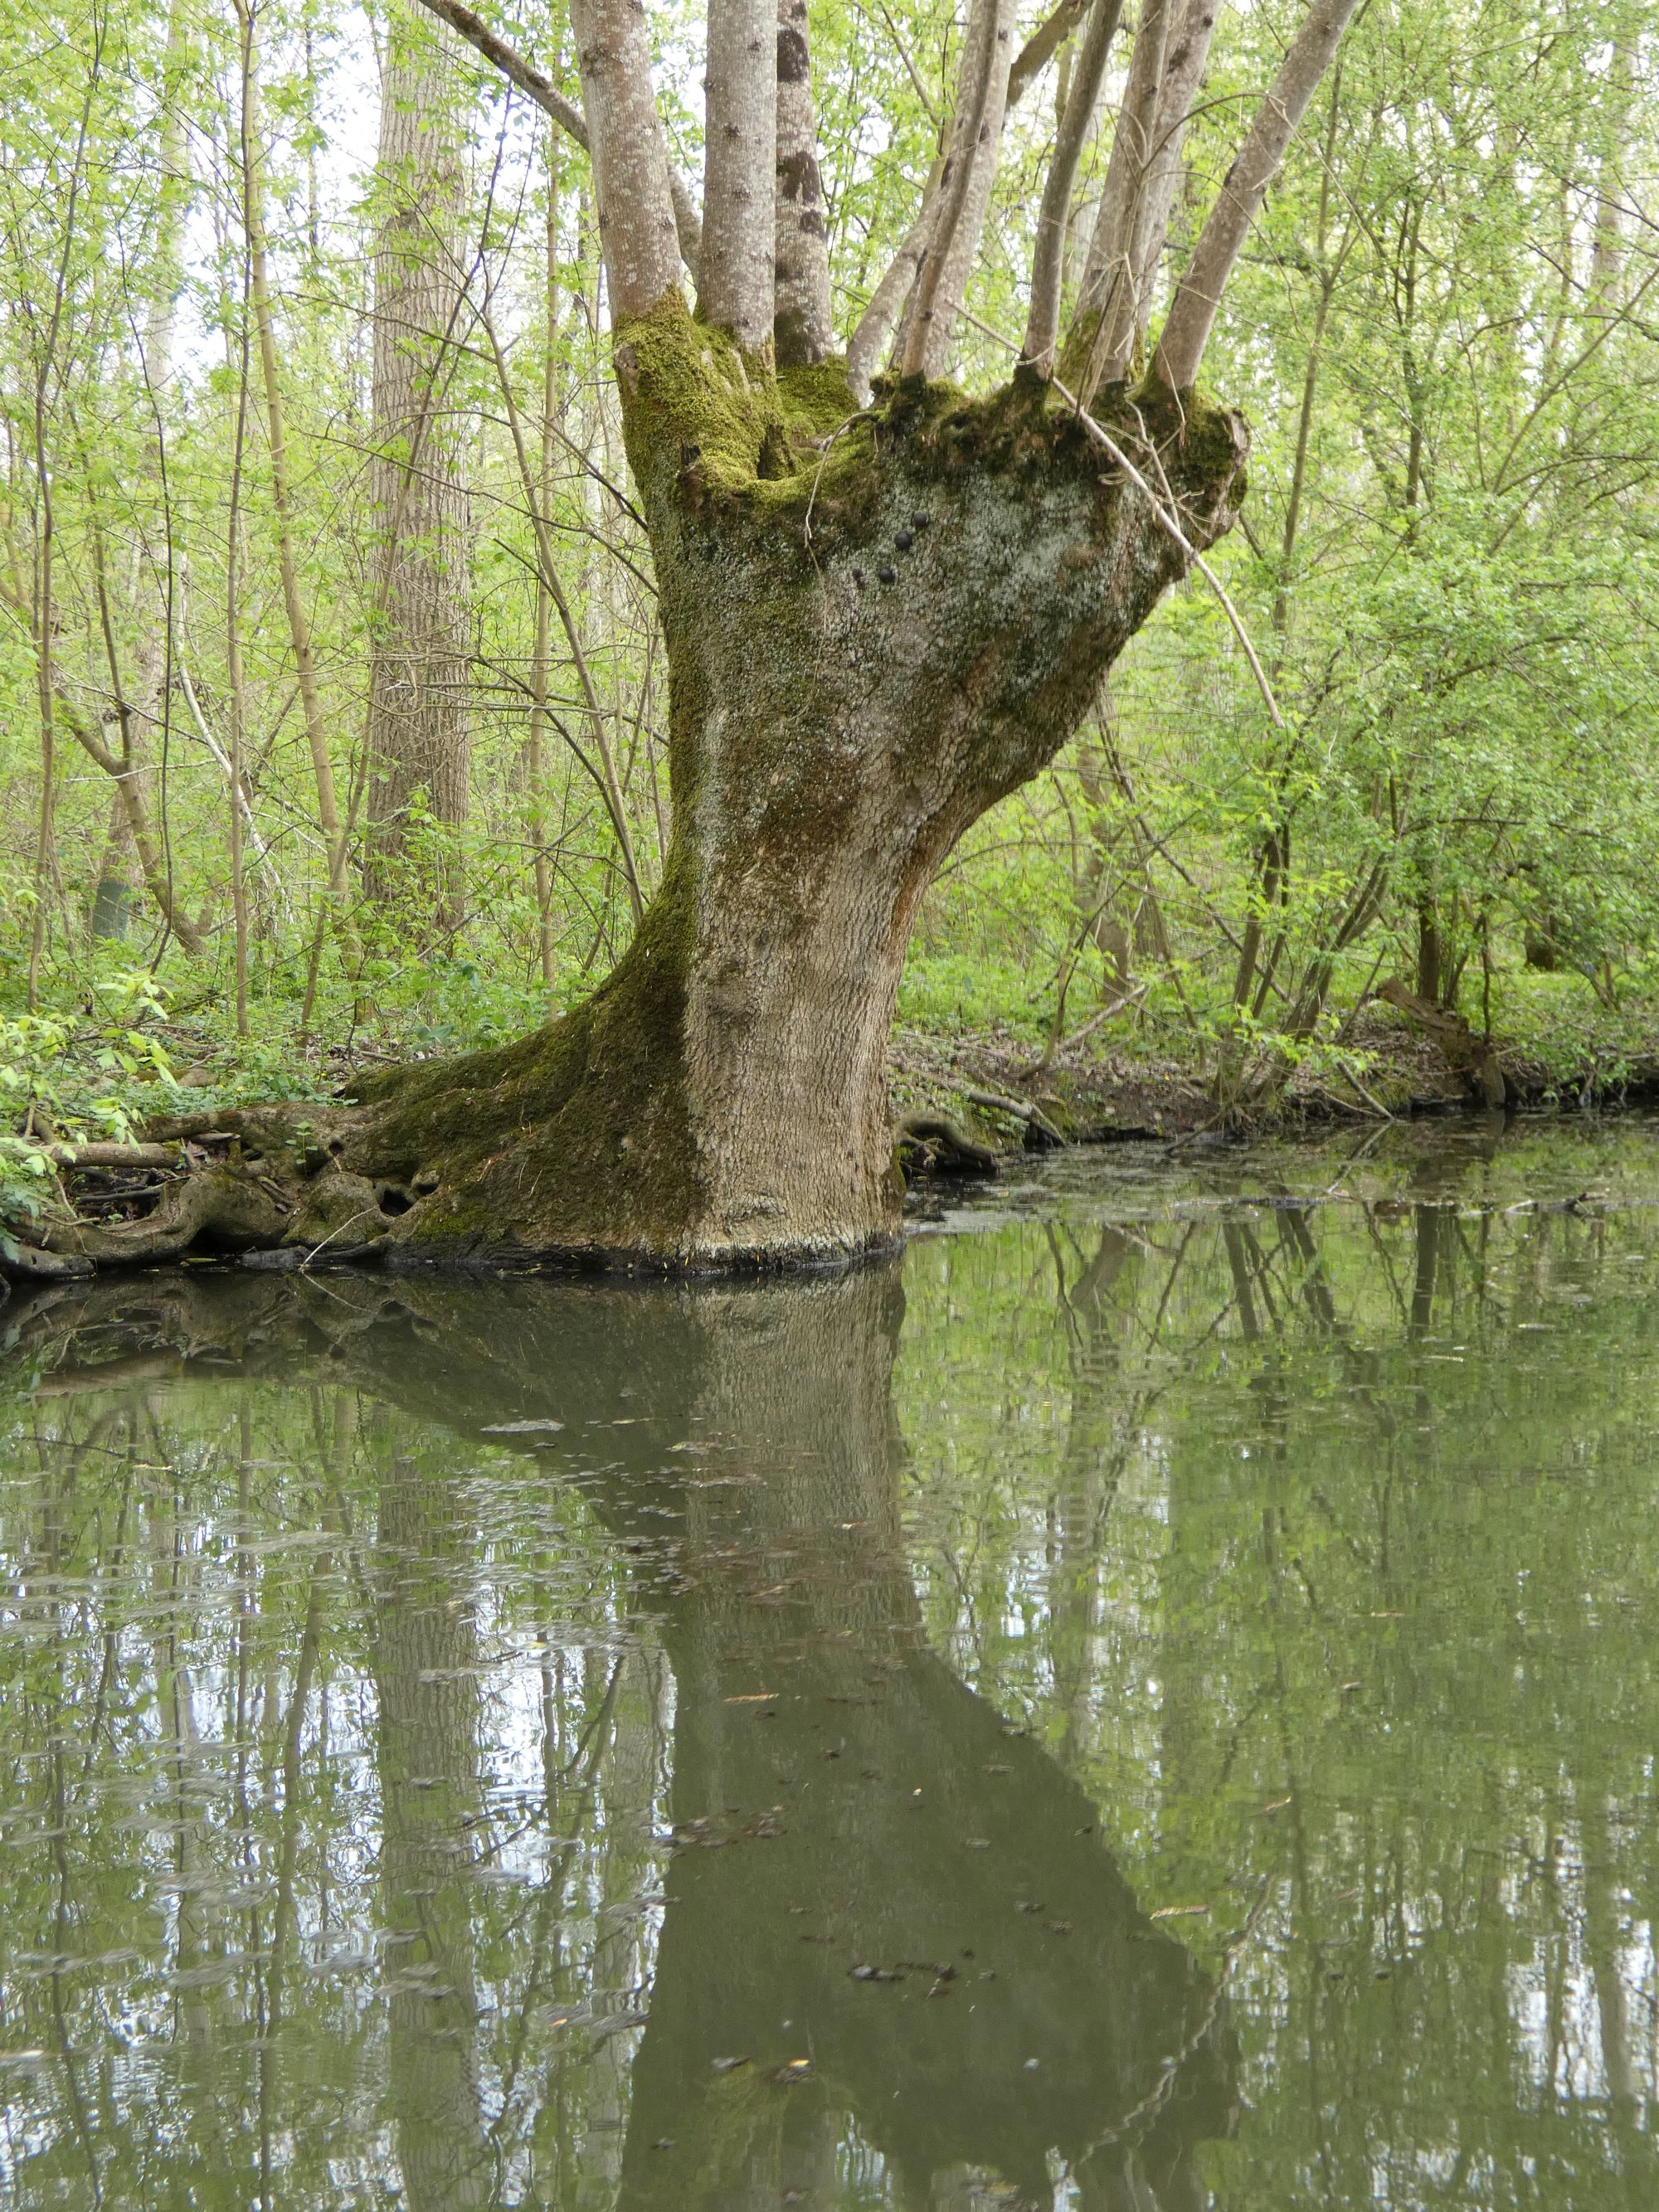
x,y
1145,1702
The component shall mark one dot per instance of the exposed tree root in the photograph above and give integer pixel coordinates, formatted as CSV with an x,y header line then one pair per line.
x,y
28,1263
261,1182
952,1149
284,1188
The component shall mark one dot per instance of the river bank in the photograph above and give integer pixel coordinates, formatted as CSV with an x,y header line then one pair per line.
x,y
990,1086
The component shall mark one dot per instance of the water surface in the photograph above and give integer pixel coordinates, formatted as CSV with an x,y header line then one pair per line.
x,y
1147,1703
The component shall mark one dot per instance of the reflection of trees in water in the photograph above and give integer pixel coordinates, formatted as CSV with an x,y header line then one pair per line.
x,y
1452,1972
839,1799
1401,1506
425,1667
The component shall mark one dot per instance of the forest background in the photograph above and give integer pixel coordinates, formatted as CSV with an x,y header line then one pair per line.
x,y
332,703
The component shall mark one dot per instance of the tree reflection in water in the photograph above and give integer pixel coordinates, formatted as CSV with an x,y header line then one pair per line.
x,y
894,1909
444,1725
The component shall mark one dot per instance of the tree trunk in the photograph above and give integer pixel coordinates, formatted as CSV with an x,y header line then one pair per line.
x,y
877,625
868,645
426,1670
417,728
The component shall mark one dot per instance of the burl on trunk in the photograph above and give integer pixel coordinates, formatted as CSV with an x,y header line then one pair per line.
x,y
877,624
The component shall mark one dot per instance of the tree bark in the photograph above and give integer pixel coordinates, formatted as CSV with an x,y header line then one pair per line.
x,y
803,328
417,724
1188,52
734,277
864,653
631,176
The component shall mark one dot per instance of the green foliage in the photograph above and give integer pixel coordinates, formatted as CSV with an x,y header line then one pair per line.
x,y
63,1080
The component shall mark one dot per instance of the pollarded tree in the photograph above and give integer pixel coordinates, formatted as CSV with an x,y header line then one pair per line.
x,y
882,614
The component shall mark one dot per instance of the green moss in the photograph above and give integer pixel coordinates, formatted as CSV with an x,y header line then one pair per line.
x,y
1206,434
576,1140
815,402
690,399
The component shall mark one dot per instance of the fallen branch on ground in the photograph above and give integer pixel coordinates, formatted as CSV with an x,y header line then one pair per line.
x,y
1022,1109
101,1155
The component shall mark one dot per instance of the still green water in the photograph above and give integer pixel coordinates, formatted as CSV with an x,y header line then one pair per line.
x,y
1149,1702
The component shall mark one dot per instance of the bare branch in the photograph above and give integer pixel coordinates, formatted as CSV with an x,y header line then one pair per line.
x,y
1192,316
688,224
887,301
1048,260
734,277
1040,49
512,65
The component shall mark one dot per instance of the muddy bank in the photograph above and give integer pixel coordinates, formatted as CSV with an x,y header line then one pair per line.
x,y
1000,1095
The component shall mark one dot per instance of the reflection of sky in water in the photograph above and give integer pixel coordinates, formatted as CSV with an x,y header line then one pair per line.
x,y
357,1767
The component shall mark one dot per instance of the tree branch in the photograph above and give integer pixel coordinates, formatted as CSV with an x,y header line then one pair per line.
x,y
1049,258
1044,43
1192,316
625,143
875,325
887,301
1103,308
511,62
735,274
803,328
964,188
